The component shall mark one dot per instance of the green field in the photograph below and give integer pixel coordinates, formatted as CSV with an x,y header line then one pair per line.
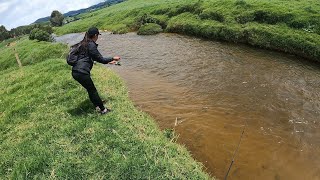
x,y
50,130
282,25
30,52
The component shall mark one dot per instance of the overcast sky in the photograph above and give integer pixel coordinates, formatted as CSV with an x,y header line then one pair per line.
x,y
14,13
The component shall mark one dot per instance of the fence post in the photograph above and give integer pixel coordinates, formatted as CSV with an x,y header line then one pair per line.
x,y
17,58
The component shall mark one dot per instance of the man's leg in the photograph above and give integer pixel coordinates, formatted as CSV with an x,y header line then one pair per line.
x,y
87,83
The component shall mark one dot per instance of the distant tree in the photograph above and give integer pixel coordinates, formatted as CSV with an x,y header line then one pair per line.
x,y
56,18
22,30
32,34
46,28
42,35
39,35
4,34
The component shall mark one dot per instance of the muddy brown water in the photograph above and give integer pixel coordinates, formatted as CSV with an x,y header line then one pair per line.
x,y
208,91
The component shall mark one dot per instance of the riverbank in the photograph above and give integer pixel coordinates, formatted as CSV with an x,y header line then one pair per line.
x,y
213,89
48,128
287,26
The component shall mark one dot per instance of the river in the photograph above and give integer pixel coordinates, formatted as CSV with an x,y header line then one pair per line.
x,y
210,92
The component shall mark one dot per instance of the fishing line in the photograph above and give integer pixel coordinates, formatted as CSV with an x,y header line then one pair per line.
x,y
236,151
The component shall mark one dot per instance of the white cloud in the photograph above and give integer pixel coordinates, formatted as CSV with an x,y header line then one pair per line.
x,y
4,6
15,13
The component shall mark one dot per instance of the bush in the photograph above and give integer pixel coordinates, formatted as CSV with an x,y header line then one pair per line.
x,y
39,35
47,29
150,29
33,33
42,36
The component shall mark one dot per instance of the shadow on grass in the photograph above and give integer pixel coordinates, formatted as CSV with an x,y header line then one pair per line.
x,y
84,108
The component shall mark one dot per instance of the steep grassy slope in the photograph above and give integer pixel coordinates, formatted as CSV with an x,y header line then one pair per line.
x,y
30,52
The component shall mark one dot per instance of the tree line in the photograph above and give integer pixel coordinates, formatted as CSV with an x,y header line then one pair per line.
x,y
22,30
56,19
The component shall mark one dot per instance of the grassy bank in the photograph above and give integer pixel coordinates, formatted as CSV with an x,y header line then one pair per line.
x,y
282,25
49,130
30,52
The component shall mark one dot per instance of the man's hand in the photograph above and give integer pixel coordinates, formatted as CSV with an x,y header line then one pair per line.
x,y
116,58
113,62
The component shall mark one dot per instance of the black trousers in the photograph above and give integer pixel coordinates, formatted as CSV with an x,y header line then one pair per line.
x,y
86,81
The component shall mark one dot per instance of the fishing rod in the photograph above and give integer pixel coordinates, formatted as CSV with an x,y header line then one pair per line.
x,y
236,151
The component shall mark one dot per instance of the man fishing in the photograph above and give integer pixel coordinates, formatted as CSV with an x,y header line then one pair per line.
x,y
88,53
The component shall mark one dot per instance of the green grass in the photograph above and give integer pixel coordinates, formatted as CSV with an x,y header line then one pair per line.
x,y
283,25
149,29
8,41
30,52
50,130
120,29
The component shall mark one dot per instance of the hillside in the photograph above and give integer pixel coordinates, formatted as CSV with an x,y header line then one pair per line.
x,y
282,25
77,12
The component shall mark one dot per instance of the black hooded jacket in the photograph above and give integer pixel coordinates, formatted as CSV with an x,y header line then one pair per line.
x,y
86,59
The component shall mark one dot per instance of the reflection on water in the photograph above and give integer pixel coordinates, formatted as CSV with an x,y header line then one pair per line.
x,y
213,89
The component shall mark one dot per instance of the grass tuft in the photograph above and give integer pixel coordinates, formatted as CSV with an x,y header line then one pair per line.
x,y
150,29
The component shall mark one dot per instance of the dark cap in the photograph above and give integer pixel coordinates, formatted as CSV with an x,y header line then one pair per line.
x,y
93,31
